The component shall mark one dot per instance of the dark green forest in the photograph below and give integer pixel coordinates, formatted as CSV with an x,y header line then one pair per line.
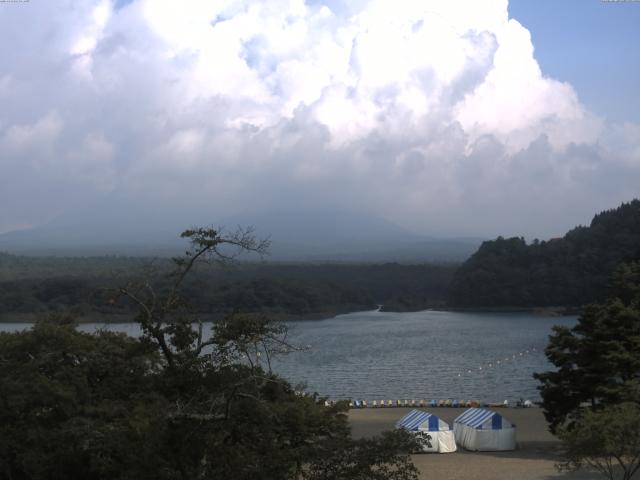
x,y
568,271
85,286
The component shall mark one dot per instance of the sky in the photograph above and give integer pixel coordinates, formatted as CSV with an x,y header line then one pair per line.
x,y
598,54
449,118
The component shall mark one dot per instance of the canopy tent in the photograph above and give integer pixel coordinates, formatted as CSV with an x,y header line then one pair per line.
x,y
484,431
434,434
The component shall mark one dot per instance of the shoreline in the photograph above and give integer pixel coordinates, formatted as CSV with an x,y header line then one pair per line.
x,y
120,318
115,318
542,311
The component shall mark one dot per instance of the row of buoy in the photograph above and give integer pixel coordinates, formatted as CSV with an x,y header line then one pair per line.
x,y
423,403
498,362
409,403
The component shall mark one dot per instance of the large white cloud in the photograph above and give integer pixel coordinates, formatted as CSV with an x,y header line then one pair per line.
x,y
435,114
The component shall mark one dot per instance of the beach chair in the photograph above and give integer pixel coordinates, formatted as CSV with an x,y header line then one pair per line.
x,y
350,404
383,403
448,403
433,404
440,403
326,403
364,404
455,403
357,403
423,403
390,403
413,403
375,404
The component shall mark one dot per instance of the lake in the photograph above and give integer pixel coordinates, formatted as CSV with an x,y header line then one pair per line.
x,y
420,355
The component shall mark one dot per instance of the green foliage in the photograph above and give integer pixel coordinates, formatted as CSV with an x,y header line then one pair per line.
x,y
44,284
568,271
67,398
607,441
368,459
598,360
178,403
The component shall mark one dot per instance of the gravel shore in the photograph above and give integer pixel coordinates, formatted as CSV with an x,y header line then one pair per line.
x,y
534,459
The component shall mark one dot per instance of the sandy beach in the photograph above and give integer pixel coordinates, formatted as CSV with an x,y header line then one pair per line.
x,y
534,459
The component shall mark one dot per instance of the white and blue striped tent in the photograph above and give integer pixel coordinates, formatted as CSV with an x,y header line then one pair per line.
x,y
484,430
435,434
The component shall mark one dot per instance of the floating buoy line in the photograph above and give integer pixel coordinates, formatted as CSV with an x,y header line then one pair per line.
x,y
508,360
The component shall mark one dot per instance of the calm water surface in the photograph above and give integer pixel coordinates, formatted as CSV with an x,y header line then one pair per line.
x,y
420,355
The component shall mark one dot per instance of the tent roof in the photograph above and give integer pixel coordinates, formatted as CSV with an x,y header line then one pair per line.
x,y
415,418
477,417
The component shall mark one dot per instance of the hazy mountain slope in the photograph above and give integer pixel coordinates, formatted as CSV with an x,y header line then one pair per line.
x,y
296,236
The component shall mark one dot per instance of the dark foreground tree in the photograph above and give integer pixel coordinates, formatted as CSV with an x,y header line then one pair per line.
x,y
598,360
178,403
68,401
607,441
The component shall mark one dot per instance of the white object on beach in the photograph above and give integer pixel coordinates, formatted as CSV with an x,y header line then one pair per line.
x,y
434,434
484,431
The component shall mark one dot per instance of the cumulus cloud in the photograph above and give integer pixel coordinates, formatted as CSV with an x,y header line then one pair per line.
x,y
434,114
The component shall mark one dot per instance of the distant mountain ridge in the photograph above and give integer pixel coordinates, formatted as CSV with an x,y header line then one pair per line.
x,y
322,227
315,236
569,271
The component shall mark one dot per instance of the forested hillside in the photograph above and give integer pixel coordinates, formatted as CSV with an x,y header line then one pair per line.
x,y
568,271
86,286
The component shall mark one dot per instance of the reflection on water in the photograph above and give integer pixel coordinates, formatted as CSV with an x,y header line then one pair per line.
x,y
421,355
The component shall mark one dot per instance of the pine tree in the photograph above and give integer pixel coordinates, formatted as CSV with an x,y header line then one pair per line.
x,y
598,360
